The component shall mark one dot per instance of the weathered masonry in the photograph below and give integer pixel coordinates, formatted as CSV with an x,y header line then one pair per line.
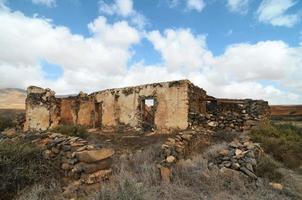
x,y
164,107
159,106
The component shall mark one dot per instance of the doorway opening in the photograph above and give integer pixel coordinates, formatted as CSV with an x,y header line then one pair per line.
x,y
148,113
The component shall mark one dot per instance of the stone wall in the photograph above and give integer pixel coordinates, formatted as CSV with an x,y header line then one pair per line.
x,y
197,102
236,115
42,109
122,106
112,109
178,105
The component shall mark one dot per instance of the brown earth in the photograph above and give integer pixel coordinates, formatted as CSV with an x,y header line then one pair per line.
x,y
286,110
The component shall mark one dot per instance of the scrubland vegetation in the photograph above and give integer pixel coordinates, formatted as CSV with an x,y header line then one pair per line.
x,y
6,122
21,166
26,175
282,141
72,130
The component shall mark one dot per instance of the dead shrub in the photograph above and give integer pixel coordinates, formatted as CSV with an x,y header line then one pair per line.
x,y
213,150
189,171
136,177
42,192
122,187
267,167
225,136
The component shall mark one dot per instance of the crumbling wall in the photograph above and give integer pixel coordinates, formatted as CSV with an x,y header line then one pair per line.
x,y
235,114
178,105
78,110
68,111
85,116
197,104
42,109
121,107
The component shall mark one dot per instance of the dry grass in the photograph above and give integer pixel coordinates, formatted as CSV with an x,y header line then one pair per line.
x,y
41,192
137,178
213,151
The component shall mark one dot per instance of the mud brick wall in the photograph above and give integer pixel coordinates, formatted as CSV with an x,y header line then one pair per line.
x,y
42,109
112,109
77,110
121,107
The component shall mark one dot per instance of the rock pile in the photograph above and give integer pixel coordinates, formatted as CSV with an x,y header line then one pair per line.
x,y
79,160
178,146
240,155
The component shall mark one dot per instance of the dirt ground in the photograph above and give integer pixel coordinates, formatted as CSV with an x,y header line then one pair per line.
x,y
126,142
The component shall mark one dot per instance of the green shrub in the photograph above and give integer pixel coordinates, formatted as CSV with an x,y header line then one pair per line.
x,y
282,141
6,122
72,130
267,167
21,165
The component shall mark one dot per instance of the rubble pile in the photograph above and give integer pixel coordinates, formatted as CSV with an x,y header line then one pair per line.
x,y
79,160
180,145
239,155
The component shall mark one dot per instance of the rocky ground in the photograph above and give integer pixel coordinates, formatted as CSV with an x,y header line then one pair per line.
x,y
198,161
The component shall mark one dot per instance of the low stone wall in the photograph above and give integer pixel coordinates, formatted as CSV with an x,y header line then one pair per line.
x,y
231,115
79,160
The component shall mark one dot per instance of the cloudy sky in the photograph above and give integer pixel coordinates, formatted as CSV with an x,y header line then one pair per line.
x,y
231,48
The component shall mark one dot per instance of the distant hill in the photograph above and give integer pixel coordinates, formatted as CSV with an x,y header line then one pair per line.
x,y
286,110
12,98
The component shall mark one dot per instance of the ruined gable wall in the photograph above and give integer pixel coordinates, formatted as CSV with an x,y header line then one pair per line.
x,y
122,106
42,109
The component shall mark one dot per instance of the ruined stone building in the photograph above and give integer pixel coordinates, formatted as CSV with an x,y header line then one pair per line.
x,y
163,107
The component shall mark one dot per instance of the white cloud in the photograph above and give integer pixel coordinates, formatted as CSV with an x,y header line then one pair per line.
x,y
84,60
119,7
197,5
180,49
102,60
234,74
239,6
260,61
48,3
123,8
275,12
188,5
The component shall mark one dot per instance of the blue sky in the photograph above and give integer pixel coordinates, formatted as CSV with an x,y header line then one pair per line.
x,y
231,48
